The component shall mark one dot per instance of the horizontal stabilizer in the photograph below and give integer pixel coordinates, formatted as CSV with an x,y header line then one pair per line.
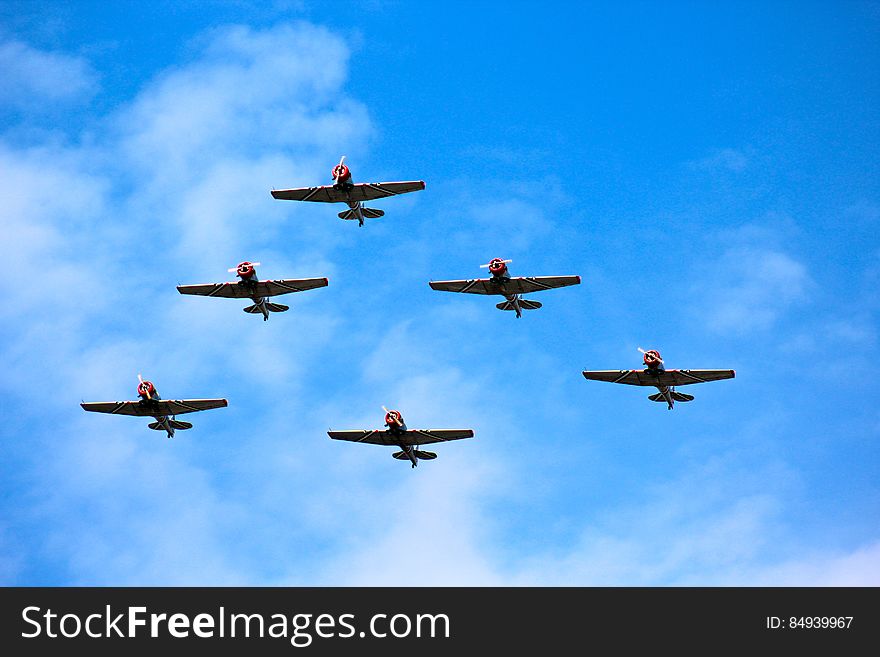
x,y
419,454
276,307
677,396
369,213
525,304
175,424
253,310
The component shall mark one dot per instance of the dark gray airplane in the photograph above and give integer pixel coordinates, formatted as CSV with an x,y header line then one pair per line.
x,y
343,190
511,289
407,439
258,291
655,374
151,404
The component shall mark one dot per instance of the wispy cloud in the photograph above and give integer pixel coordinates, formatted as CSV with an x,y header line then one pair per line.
x,y
33,78
858,567
176,191
748,288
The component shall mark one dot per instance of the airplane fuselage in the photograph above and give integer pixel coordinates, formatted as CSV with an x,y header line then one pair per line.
x,y
250,284
346,187
500,280
656,370
149,401
410,452
397,428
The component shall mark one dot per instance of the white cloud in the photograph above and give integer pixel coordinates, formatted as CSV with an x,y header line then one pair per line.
x,y
11,557
251,94
426,528
175,192
858,567
515,223
151,516
714,526
34,77
693,529
749,288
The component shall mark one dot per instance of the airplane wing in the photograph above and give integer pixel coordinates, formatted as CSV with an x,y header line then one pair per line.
x,y
667,378
323,194
360,192
411,437
471,286
157,407
520,285
527,284
371,191
262,288
288,285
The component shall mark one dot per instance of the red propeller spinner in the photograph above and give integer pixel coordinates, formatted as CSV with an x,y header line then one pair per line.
x,y
145,389
497,266
341,172
393,418
245,269
651,357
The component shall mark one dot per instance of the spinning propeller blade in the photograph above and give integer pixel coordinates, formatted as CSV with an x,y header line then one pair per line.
x,y
141,383
252,264
644,352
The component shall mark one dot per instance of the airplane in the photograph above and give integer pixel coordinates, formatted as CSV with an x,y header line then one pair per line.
x,y
656,374
344,190
511,288
257,290
150,403
406,439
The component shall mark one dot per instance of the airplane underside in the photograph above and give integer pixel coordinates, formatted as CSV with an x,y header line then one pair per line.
x,y
359,212
265,307
670,396
518,304
408,453
169,425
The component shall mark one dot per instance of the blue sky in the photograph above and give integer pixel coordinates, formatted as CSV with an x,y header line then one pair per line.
x,y
710,172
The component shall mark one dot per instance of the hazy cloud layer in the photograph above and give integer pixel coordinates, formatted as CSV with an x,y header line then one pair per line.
x,y
33,77
175,190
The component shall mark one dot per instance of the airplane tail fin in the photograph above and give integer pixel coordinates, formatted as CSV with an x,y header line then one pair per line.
x,y
525,304
677,396
253,310
156,426
400,456
369,213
